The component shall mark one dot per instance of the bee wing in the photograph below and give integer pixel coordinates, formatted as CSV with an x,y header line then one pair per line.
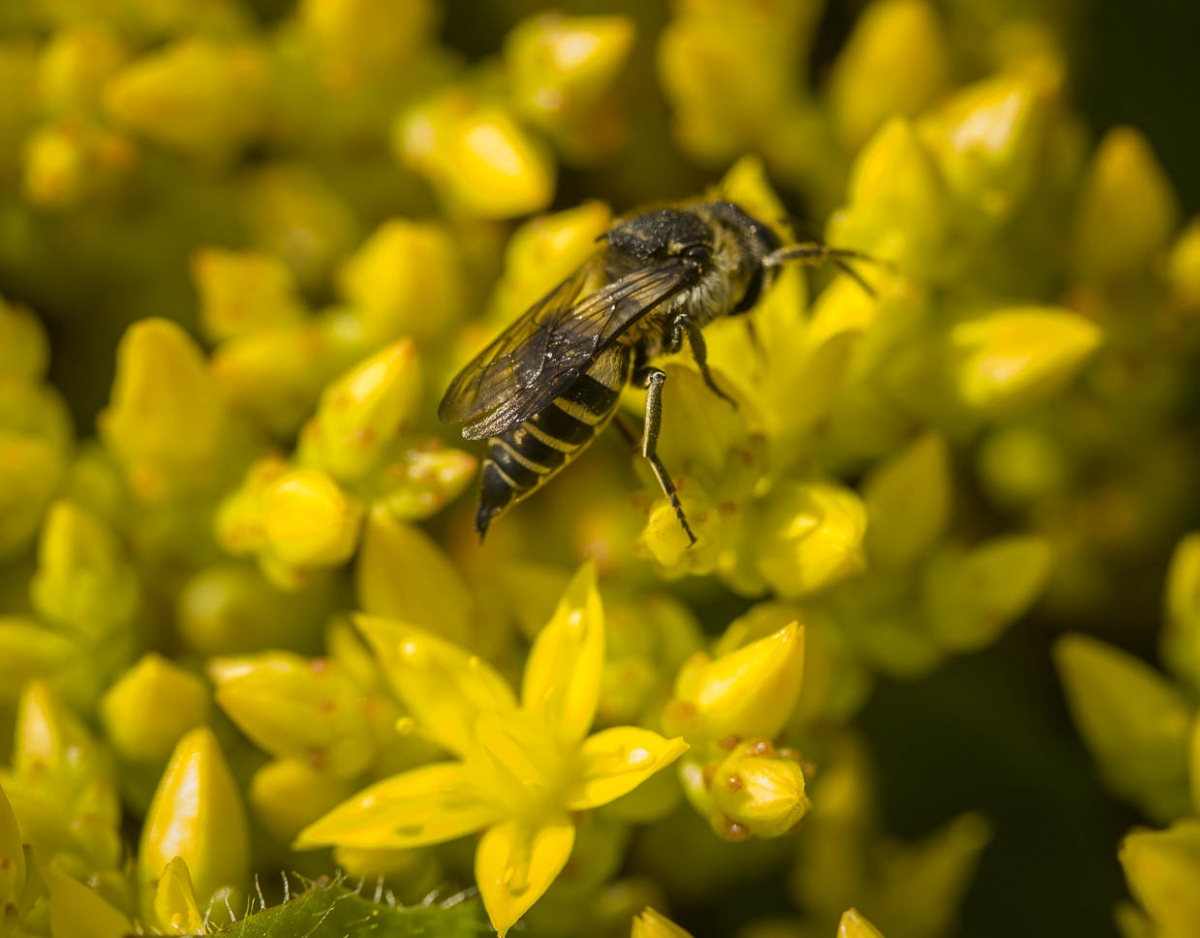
x,y
551,345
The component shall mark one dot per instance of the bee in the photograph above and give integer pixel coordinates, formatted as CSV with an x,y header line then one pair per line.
x,y
551,381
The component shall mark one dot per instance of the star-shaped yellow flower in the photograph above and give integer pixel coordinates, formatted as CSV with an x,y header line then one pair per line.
x,y
523,768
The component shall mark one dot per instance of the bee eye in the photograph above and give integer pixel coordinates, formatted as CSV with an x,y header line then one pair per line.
x,y
698,253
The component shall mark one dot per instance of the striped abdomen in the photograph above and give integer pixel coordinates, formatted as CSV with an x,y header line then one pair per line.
x,y
521,459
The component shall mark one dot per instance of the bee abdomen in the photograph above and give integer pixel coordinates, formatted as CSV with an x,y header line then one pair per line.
x,y
521,459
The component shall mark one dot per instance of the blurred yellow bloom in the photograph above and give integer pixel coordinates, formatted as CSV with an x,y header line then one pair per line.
x,y
151,707
1162,867
242,292
12,861
524,767
650,923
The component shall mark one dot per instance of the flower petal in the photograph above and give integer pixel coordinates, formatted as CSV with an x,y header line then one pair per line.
x,y
515,865
425,806
617,760
445,687
562,675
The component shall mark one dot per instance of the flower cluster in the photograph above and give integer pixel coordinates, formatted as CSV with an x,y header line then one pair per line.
x,y
245,625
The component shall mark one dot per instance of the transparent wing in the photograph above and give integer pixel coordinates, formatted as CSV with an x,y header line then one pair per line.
x,y
552,344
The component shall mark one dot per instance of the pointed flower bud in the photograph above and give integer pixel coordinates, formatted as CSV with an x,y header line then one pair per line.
x,y
650,923
165,420
1127,209
31,471
297,708
1162,868
1133,721
361,412
899,206
197,815
894,64
75,65
242,292
175,908
1179,642
83,579
477,157
24,348
748,692
151,707
1183,268
908,502
196,96
971,596
1019,357
405,280
759,790
853,924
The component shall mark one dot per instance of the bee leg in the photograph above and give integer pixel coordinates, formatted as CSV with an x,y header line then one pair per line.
x,y
654,379
684,326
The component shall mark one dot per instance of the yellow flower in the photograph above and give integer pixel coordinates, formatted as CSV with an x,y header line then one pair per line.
x,y
523,768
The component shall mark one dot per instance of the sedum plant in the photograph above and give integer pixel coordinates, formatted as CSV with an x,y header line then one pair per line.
x,y
257,674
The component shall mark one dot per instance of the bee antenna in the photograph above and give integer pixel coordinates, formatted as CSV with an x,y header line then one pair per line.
x,y
813,253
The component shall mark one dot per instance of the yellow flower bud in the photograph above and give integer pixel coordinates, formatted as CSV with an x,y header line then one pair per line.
x,y
1162,868
361,412
748,692
1133,721
289,794
908,502
79,912
151,707
899,205
56,167
165,421
561,70
298,708
83,580
988,138
197,815
1183,268
357,36
971,596
894,64
424,480
758,790
1179,642
1127,209
404,574
242,292
195,96
1019,357
12,861
24,349
853,924
75,65
309,521
406,280
810,537
54,752
1019,465
30,473
653,924
175,908
477,157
